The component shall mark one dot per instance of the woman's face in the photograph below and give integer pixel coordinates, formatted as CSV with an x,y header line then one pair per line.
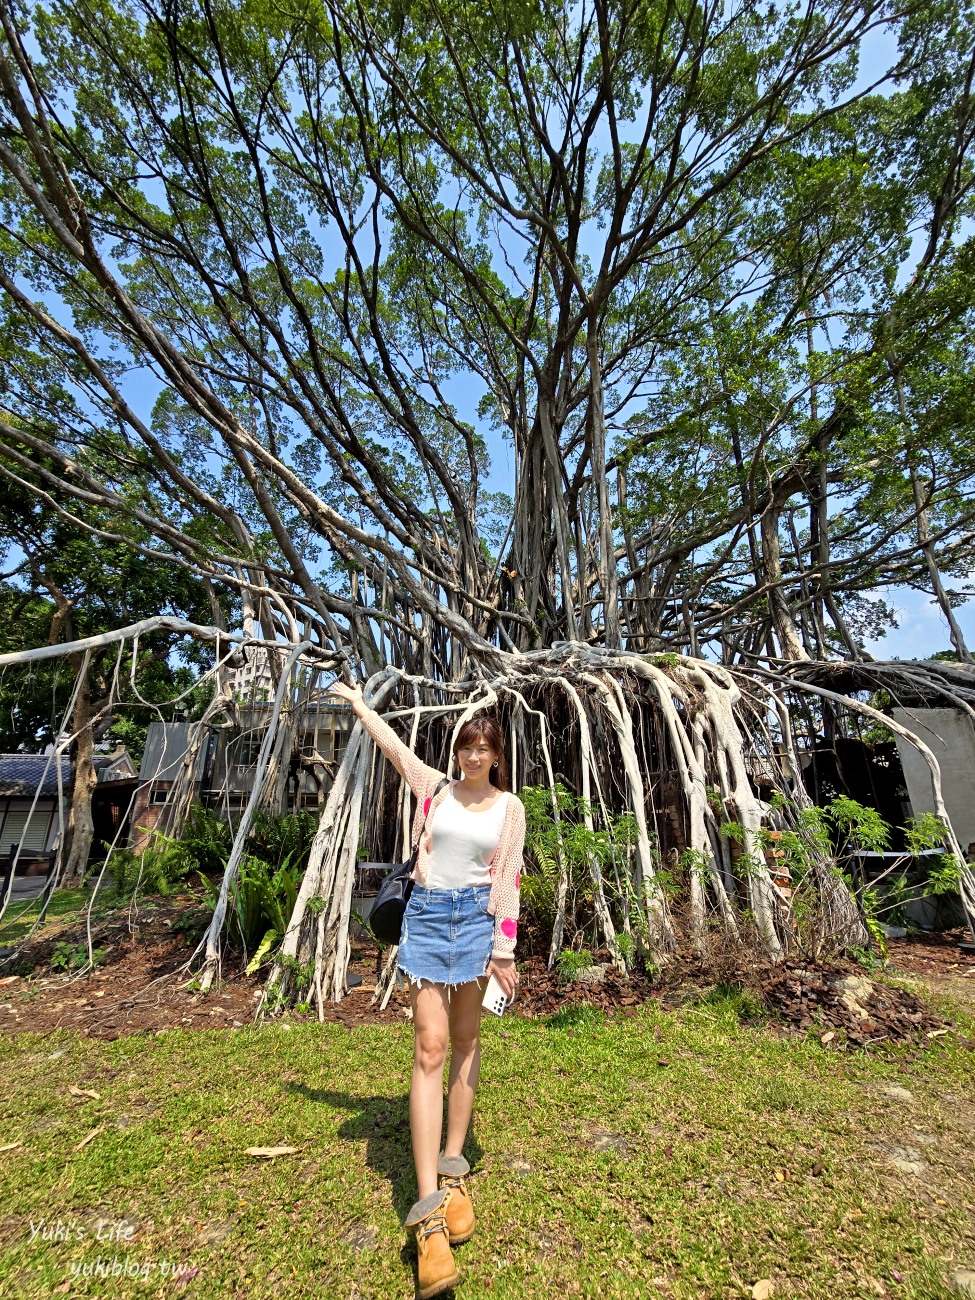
x,y
475,758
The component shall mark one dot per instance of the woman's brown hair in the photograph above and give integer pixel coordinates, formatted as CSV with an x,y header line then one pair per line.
x,y
486,729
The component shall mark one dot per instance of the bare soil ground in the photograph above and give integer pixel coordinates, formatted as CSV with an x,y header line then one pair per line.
x,y
142,985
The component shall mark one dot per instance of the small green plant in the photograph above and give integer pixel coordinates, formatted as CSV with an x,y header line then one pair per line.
x,y
667,659
570,964
74,956
735,1001
282,839
626,946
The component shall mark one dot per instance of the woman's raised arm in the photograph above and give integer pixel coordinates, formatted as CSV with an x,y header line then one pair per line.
x,y
419,776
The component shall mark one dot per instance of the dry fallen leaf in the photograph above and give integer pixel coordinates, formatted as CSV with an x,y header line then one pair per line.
x,y
781,1175
269,1153
939,1201
10,1146
936,1033
63,1289
762,1290
828,1037
91,1136
84,1092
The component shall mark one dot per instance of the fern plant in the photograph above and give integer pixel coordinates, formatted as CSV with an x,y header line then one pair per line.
x,y
558,840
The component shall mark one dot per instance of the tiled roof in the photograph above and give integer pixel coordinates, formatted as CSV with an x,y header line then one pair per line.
x,y
20,775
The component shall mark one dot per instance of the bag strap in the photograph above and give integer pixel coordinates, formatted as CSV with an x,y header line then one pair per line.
x,y
426,813
429,800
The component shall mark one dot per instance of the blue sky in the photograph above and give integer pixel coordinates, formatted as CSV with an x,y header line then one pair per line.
x,y
923,630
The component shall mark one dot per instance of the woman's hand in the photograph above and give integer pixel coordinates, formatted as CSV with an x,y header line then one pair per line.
x,y
351,694
503,970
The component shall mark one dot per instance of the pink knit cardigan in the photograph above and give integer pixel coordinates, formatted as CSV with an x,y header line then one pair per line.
x,y
507,860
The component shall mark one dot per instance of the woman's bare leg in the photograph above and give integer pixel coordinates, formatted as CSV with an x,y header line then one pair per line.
x,y
431,1034
465,1061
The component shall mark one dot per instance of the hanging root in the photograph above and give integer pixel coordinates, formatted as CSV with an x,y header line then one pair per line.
x,y
615,729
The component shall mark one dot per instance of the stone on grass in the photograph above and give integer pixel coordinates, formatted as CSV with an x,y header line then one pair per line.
x,y
897,1092
604,1141
855,985
592,974
361,1236
904,1166
906,1160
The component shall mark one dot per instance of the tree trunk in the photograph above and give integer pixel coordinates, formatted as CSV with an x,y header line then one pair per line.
x,y
790,642
80,830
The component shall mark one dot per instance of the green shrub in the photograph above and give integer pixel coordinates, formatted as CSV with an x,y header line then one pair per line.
x,y
570,964
261,902
558,840
162,863
207,839
282,838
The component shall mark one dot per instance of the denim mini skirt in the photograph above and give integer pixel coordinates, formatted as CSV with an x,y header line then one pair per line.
x,y
447,935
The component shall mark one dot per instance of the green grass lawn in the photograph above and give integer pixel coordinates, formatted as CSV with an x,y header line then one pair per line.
x,y
679,1155
65,905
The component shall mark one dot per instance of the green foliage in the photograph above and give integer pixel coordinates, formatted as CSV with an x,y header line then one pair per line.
x,y
858,826
261,902
69,956
267,883
571,962
206,839
282,838
558,841
738,1003
924,832
838,832
162,863
944,878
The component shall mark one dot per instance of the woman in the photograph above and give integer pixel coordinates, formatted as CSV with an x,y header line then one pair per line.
x,y
460,928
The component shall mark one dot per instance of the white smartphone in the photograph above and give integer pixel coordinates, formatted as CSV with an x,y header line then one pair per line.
x,y
495,999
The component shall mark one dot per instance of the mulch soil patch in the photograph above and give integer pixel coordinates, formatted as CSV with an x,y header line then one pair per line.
x,y
141,985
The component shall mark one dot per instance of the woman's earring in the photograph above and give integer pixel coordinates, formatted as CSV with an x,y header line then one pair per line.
x,y
495,763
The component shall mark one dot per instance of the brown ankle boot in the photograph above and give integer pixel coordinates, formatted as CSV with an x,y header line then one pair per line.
x,y
436,1270
451,1172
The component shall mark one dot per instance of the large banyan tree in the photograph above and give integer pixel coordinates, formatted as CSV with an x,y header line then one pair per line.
x,y
601,364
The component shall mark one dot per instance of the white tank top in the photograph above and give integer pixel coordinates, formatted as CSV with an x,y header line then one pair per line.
x,y
463,843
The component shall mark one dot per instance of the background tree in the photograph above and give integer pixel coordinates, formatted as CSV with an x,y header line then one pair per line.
x,y
61,585
288,273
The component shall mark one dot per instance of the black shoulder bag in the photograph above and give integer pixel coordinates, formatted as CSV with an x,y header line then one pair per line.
x,y
386,917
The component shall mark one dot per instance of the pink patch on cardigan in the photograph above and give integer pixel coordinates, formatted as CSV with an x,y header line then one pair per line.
x,y
509,927
518,880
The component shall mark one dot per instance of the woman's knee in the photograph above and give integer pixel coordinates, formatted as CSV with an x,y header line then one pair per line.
x,y
464,1043
430,1051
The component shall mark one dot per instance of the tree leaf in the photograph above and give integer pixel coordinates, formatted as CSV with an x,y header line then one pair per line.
x,y
763,1289
84,1092
270,1153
